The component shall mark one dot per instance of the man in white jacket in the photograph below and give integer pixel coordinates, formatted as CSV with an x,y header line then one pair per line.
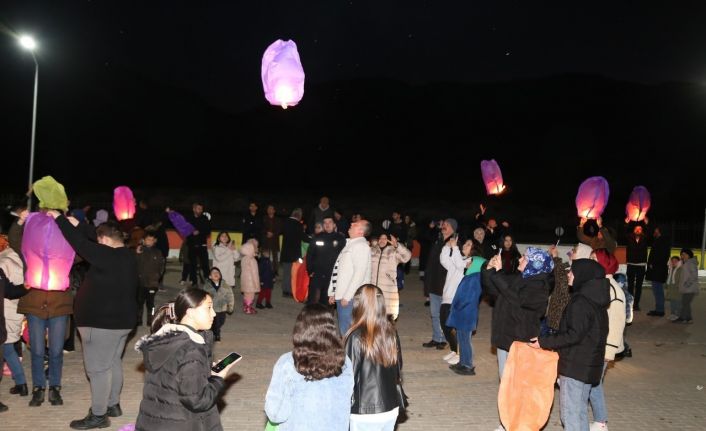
x,y
352,270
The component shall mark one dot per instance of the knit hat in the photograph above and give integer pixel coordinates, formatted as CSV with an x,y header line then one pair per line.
x,y
538,262
583,251
453,223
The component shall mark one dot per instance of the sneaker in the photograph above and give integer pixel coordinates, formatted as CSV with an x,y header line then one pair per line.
x,y
3,408
672,317
449,355
259,306
598,426
463,370
20,390
441,346
54,396
37,397
650,313
431,343
454,360
114,411
268,305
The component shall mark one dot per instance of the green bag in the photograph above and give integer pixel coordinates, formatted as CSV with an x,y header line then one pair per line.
x,y
270,426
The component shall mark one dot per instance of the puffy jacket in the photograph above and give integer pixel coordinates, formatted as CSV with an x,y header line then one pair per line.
x,y
375,389
616,320
179,392
384,273
520,304
689,277
150,265
581,339
223,298
249,275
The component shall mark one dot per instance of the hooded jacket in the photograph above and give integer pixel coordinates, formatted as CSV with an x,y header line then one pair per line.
x,y
689,277
520,304
384,263
581,340
249,275
179,392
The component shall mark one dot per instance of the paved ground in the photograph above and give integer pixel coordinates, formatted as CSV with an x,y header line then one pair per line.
x,y
661,387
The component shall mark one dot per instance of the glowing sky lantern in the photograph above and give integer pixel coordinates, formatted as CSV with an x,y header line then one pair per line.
x,y
47,255
638,204
592,197
123,203
282,74
492,177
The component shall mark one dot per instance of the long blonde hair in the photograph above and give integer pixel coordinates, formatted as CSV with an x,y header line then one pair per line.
x,y
378,337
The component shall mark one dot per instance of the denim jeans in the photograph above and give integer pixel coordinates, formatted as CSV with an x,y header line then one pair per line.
x,y
435,309
345,316
658,291
502,358
375,422
57,331
573,395
597,398
13,362
465,347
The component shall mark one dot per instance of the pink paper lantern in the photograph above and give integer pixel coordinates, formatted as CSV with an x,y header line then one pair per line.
x,y
592,197
492,177
638,204
282,74
47,254
123,203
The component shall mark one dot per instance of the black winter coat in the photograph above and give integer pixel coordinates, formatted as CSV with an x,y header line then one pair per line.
x,y
292,237
636,251
322,253
435,273
657,269
520,304
179,392
375,389
581,339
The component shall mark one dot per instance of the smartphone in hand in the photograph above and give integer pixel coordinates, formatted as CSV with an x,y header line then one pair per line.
x,y
232,358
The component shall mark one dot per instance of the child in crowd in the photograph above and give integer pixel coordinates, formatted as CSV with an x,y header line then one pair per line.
x,y
673,288
225,255
150,266
249,276
223,300
267,280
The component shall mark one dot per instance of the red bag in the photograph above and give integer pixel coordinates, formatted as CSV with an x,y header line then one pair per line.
x,y
527,387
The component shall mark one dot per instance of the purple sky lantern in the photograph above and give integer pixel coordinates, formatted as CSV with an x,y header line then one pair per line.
x,y
180,224
492,177
282,74
592,197
638,204
47,254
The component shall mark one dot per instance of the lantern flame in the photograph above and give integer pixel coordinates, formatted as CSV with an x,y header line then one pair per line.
x,y
47,254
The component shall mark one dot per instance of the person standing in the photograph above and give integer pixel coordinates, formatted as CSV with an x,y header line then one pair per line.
x,y
197,243
352,270
105,311
434,281
688,282
386,256
658,269
320,258
321,211
150,267
636,259
252,223
272,228
292,237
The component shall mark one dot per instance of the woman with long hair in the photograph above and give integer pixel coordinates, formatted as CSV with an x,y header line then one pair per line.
x,y
180,390
373,346
386,254
311,386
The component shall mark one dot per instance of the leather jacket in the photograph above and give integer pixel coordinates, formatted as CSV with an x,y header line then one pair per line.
x,y
375,389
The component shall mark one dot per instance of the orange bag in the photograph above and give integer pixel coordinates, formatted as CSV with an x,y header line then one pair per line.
x,y
300,282
527,387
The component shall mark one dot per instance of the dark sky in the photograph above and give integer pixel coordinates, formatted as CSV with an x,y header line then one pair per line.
x,y
178,83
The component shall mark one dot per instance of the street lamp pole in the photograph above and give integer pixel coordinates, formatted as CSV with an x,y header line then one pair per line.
x,y
29,44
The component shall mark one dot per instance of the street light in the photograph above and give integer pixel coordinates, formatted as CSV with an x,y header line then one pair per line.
x,y
28,43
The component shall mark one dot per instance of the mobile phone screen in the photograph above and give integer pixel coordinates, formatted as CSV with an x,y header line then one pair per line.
x,y
230,359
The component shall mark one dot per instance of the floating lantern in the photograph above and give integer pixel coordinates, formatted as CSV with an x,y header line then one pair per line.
x,y
592,197
492,177
47,255
638,204
180,224
282,74
123,203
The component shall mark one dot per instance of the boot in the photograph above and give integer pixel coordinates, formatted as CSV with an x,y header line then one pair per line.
x,y
54,396
114,411
37,397
20,390
91,421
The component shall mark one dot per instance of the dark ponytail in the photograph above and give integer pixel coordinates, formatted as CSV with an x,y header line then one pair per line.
x,y
173,312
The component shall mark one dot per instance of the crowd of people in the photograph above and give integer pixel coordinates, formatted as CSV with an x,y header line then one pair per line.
x,y
345,367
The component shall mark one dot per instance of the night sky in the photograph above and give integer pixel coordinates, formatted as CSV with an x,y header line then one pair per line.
x,y
556,91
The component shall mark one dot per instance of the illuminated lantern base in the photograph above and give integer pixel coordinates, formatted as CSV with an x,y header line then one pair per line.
x,y
48,256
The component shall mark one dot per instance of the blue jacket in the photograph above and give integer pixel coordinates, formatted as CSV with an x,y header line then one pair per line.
x,y
464,307
299,405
